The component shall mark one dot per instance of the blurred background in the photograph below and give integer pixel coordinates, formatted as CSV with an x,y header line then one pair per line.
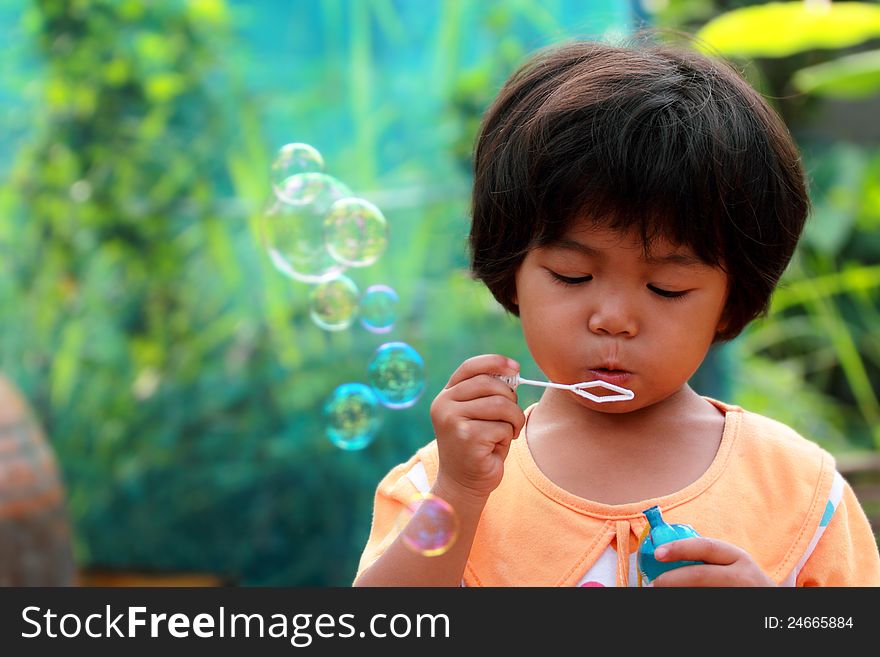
x,y
162,407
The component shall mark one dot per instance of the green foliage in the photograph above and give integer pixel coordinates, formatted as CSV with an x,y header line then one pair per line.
x,y
780,29
157,351
777,29
852,76
179,376
814,357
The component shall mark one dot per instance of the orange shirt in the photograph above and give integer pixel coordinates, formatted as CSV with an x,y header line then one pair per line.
x,y
769,491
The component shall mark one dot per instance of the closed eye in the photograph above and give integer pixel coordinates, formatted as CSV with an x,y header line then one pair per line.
x,y
668,294
568,280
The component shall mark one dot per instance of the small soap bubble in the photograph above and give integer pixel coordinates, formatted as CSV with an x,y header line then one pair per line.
x,y
81,191
293,159
429,525
292,230
352,414
378,308
396,373
333,304
355,232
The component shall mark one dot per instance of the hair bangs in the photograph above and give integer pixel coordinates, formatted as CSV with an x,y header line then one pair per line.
x,y
649,178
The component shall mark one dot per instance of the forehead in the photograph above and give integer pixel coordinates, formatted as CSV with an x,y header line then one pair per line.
x,y
600,242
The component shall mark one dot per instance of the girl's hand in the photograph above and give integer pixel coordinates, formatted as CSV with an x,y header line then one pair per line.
x,y
725,564
475,418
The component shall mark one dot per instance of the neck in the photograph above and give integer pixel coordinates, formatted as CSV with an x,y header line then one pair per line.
x,y
616,458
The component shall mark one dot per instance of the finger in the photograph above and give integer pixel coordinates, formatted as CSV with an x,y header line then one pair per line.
x,y
491,434
701,575
494,408
710,550
501,449
481,385
713,575
487,432
484,364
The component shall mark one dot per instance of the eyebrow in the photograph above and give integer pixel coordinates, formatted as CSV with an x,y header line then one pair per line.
x,y
682,259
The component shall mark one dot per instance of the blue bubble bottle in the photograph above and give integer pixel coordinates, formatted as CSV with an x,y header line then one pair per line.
x,y
657,532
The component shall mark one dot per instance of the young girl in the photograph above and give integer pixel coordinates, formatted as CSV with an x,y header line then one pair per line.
x,y
633,206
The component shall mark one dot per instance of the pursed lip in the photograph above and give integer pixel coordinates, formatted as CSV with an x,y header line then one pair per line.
x,y
618,377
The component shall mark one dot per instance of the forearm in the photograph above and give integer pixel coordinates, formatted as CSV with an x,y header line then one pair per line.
x,y
401,566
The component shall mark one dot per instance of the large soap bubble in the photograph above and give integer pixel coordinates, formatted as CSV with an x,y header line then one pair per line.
x,y
396,373
352,414
355,232
333,304
293,228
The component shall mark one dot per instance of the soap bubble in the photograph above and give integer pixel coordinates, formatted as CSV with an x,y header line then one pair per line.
x,y
81,191
316,189
396,372
293,159
378,308
429,525
355,232
293,229
352,413
333,304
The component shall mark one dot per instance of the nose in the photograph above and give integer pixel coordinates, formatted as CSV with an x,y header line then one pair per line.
x,y
613,316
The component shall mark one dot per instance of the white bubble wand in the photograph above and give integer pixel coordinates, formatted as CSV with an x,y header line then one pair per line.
x,y
577,388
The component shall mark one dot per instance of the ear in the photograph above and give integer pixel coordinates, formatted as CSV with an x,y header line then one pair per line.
x,y
723,324
724,319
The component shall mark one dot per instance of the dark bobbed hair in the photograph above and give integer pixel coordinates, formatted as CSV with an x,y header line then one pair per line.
x,y
647,137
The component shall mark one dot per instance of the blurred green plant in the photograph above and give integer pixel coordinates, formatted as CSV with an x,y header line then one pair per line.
x,y
165,359
178,374
815,357
780,29
849,77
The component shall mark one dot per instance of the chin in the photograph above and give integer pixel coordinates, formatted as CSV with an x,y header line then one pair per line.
x,y
613,408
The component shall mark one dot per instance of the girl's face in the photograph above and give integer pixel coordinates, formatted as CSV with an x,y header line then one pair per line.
x,y
593,306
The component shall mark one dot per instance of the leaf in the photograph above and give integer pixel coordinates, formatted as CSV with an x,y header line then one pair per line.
x,y
851,77
836,185
65,366
164,87
779,29
779,390
852,280
211,12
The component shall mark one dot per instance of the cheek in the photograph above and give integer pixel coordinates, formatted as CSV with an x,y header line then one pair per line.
x,y
544,325
549,309
689,338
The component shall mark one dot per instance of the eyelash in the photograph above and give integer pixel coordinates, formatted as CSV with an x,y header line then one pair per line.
x,y
571,282
666,294
568,281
